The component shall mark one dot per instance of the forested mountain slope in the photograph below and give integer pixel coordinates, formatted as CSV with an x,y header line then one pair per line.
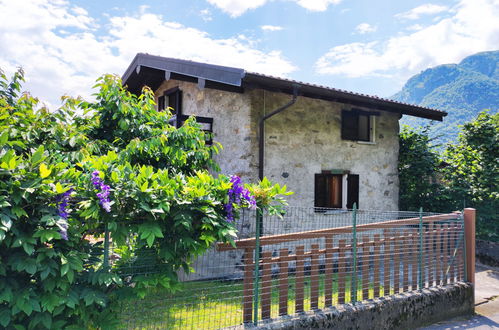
x,y
462,90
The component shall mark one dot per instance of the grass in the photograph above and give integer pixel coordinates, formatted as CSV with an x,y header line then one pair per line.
x,y
211,305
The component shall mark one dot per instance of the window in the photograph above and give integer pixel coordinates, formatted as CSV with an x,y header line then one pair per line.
x,y
357,125
336,190
206,125
172,99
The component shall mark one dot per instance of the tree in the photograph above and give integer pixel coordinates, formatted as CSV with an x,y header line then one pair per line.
x,y
420,184
68,181
473,174
469,176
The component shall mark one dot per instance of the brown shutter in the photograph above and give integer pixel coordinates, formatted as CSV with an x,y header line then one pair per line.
x,y
321,196
352,190
178,107
349,125
161,103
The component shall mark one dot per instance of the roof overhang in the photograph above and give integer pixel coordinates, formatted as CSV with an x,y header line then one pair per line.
x,y
150,70
336,95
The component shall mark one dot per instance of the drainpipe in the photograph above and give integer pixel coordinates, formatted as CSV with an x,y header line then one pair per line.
x,y
259,213
261,142
261,147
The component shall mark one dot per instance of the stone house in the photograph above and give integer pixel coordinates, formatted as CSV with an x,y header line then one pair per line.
x,y
331,147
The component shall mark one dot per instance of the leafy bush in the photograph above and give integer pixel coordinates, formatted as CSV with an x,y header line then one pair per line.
x,y
466,174
473,174
420,180
67,180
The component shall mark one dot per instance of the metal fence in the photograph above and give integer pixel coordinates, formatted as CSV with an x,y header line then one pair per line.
x,y
306,259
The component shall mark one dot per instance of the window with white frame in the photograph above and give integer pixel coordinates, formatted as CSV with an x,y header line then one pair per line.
x,y
336,190
358,125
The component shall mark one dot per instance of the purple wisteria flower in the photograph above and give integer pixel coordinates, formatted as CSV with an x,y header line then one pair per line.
x,y
63,200
238,195
104,191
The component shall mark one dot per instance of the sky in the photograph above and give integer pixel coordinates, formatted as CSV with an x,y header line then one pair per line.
x,y
365,46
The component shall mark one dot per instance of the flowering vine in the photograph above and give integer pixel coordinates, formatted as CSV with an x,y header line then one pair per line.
x,y
238,195
63,200
104,191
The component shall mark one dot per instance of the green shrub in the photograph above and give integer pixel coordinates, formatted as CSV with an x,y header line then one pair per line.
x,y
114,165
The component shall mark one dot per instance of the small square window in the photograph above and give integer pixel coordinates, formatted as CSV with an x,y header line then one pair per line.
x,y
172,99
336,190
357,125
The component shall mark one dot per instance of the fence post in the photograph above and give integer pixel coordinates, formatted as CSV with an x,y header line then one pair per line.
x,y
353,289
469,232
420,261
256,281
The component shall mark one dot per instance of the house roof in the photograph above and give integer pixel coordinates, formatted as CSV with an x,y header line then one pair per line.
x,y
152,70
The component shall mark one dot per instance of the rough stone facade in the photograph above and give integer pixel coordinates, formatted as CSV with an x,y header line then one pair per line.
x,y
299,142
306,139
402,311
232,125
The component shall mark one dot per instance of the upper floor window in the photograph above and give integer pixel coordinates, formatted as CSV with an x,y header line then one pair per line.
x,y
358,125
172,99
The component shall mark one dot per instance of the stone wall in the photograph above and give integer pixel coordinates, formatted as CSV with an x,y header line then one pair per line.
x,y
231,125
306,138
402,311
301,141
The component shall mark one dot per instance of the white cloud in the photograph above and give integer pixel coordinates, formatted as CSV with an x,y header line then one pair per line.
x,y
426,9
364,28
206,15
271,28
474,27
415,27
68,63
236,8
148,33
317,5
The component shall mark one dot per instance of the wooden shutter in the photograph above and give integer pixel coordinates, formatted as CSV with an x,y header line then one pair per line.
x,y
174,97
349,125
320,196
176,103
352,190
161,103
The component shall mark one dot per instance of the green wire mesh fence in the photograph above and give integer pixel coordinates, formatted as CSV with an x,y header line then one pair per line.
x,y
306,259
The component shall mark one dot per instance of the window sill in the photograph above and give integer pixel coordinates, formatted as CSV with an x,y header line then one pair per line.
x,y
366,142
338,211
329,211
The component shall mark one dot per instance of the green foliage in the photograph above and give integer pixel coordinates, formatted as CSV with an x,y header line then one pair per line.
x,y
269,196
45,281
419,179
473,174
467,174
165,206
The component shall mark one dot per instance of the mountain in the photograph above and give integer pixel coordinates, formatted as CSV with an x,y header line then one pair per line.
x,y
462,90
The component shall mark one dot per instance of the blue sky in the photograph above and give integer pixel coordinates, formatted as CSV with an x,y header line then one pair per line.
x,y
371,47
